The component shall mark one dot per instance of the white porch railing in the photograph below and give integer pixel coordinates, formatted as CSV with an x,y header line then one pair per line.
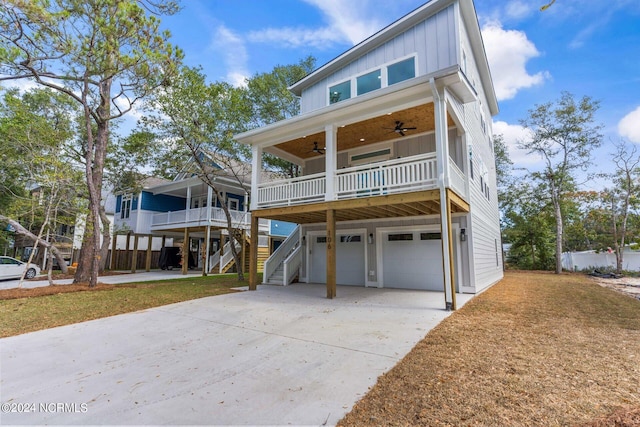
x,y
238,218
405,174
391,176
279,255
303,189
457,179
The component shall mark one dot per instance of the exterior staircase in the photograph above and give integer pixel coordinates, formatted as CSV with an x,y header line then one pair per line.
x,y
283,266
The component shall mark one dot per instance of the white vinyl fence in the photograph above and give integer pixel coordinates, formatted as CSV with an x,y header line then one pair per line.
x,y
576,261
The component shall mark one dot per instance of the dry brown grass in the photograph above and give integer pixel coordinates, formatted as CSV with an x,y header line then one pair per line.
x,y
537,349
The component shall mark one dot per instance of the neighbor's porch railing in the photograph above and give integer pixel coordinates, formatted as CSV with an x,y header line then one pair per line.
x,y
200,215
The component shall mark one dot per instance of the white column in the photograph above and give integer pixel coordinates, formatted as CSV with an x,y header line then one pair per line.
x,y
442,156
256,174
188,206
331,160
209,205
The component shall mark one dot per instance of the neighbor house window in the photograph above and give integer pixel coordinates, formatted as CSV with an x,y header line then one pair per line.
x,y
340,92
368,82
401,71
125,207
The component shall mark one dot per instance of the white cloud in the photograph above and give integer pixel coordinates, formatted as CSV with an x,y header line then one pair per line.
x,y
346,22
508,52
234,54
513,135
518,9
352,19
297,37
629,126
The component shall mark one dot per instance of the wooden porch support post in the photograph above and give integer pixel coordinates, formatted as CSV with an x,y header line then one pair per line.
x,y
331,253
134,260
185,252
147,266
112,261
207,246
243,261
126,249
253,254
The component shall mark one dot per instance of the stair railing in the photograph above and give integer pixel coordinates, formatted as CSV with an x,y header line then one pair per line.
x,y
291,266
279,255
227,257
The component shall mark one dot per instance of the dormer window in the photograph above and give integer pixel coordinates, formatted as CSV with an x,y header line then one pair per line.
x,y
368,82
340,92
401,71
387,75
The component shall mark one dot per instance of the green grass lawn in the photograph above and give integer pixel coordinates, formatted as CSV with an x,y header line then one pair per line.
x,y
18,316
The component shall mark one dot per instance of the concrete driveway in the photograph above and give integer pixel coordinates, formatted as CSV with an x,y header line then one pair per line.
x,y
279,355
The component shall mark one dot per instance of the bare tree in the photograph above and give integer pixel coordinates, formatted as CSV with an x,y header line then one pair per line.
x,y
563,135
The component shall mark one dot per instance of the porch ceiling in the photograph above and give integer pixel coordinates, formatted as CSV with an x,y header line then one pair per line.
x,y
373,207
366,132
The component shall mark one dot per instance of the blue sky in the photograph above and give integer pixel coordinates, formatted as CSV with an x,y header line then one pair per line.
x,y
586,47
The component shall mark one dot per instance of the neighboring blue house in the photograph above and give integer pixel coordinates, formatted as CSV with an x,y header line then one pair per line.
x,y
187,209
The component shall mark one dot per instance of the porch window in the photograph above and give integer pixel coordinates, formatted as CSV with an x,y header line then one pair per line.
x,y
340,92
368,82
125,207
401,71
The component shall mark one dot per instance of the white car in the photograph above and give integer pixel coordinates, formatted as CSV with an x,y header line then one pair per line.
x,y
11,268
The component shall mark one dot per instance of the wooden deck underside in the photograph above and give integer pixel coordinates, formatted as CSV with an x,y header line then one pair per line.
x,y
416,203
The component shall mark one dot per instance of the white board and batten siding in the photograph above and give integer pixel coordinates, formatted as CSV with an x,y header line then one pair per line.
x,y
418,41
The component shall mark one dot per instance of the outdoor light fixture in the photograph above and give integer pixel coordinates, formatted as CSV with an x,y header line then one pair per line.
x,y
463,234
304,239
370,238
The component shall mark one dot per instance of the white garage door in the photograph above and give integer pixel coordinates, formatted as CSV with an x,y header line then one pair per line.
x,y
350,268
412,260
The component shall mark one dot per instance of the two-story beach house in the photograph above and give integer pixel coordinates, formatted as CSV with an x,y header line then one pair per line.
x,y
183,213
399,185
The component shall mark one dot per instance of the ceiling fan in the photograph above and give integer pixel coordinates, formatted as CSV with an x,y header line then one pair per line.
x,y
316,149
400,128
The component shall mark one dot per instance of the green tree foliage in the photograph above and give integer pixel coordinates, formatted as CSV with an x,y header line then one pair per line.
x,y
563,135
103,54
36,130
194,123
271,101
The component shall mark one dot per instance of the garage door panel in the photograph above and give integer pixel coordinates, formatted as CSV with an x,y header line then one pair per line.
x,y
409,262
350,260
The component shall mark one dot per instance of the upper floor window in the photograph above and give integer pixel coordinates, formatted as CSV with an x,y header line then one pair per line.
x,y
125,206
340,92
382,77
401,71
368,82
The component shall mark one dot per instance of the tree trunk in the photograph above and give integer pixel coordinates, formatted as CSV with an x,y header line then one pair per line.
x,y
83,271
106,238
559,234
19,229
